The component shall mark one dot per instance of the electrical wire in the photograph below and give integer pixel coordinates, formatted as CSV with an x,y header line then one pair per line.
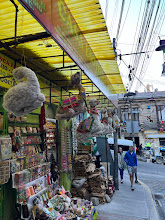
x,y
120,18
135,75
150,38
125,19
114,18
106,10
153,37
143,35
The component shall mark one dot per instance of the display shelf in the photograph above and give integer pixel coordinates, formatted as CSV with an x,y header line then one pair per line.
x,y
31,134
33,113
33,196
22,123
28,134
32,144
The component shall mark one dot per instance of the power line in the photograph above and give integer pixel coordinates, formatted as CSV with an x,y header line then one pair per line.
x,y
134,75
114,17
153,37
106,9
143,34
125,17
119,24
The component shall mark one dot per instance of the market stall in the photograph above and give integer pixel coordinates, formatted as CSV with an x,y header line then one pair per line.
x,y
40,150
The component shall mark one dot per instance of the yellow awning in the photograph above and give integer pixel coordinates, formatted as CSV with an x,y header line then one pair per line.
x,y
35,44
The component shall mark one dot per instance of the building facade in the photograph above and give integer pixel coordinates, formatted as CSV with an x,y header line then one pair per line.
x,y
148,118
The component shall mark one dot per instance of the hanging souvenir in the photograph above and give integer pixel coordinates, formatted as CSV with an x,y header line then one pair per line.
x,y
72,106
24,97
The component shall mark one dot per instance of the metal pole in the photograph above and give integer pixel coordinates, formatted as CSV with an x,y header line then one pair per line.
x,y
116,179
106,155
132,131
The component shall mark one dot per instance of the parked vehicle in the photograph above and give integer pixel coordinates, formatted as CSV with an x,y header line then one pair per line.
x,y
147,151
158,155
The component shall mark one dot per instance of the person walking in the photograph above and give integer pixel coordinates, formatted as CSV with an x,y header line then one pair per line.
x,y
140,149
131,161
121,163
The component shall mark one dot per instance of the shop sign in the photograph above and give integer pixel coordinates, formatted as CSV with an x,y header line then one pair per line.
x,y
6,68
55,16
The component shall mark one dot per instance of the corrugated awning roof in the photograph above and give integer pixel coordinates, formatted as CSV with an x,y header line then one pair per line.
x,y
37,46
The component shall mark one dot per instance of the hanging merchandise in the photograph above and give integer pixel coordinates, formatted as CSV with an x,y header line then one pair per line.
x,y
110,120
93,126
24,97
104,121
5,156
74,140
149,119
50,130
141,126
74,105
66,148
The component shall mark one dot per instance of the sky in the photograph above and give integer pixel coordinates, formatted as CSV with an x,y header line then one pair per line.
x,y
130,23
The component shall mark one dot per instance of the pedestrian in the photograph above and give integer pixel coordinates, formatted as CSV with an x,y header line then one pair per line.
x,y
140,149
131,161
121,163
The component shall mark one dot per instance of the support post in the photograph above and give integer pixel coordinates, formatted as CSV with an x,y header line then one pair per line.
x,y
132,130
106,155
63,58
116,179
50,92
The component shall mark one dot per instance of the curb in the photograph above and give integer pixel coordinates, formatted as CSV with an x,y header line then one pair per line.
x,y
153,202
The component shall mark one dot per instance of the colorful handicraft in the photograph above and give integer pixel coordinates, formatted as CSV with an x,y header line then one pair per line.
x,y
66,149
74,105
70,102
96,128
86,125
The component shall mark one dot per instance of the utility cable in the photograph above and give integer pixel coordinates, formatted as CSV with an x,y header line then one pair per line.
x,y
155,32
119,24
125,19
151,37
143,36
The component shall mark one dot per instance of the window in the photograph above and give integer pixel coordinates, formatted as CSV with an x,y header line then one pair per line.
x,y
162,141
126,114
161,112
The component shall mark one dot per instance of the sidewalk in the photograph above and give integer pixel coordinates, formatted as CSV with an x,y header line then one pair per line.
x,y
129,205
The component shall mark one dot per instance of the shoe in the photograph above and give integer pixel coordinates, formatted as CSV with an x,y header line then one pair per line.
x,y
132,188
136,181
121,181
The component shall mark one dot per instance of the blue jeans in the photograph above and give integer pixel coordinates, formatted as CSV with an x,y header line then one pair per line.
x,y
121,173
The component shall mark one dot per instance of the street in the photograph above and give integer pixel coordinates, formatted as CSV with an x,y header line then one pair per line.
x,y
153,175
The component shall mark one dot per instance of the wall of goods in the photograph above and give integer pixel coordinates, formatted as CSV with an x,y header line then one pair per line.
x,y
34,151
23,158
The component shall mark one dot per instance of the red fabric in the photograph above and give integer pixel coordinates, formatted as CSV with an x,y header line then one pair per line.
x,y
94,111
42,118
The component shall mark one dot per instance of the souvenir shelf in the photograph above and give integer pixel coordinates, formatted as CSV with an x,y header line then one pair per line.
x,y
28,166
66,148
50,135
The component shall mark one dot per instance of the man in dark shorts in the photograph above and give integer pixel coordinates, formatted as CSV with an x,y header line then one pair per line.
x,y
131,161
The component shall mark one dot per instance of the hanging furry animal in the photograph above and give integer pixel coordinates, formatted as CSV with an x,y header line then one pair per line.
x,y
24,97
72,106
104,121
92,126
113,118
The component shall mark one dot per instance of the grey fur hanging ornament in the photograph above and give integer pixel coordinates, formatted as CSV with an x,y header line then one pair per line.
x,y
24,97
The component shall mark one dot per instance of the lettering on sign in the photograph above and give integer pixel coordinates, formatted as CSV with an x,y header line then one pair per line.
x,y
39,5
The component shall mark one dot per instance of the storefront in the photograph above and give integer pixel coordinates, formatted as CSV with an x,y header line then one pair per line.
x,y
55,41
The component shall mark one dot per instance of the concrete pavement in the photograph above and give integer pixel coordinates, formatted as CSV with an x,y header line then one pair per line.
x,y
129,205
